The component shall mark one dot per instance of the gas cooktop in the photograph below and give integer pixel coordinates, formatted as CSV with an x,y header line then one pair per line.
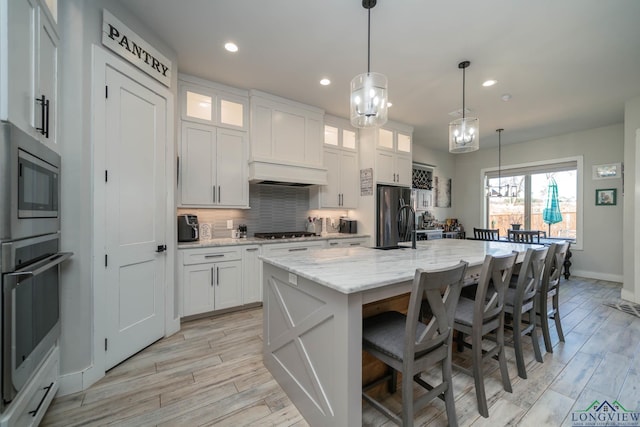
x,y
284,235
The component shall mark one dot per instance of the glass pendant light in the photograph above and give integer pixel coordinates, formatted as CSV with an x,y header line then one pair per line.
x,y
368,104
464,132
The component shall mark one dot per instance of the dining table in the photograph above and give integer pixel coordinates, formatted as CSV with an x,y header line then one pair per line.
x,y
313,309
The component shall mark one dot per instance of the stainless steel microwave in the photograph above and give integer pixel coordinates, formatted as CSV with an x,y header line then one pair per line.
x,y
29,185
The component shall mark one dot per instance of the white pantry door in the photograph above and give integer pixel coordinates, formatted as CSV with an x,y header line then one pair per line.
x,y
135,212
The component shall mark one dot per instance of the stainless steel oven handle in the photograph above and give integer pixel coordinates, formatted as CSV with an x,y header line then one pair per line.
x,y
42,266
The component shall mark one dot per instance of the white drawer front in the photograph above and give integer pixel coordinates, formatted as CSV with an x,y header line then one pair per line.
x,y
287,248
201,256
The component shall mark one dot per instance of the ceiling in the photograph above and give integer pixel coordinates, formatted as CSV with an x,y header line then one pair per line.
x,y
568,65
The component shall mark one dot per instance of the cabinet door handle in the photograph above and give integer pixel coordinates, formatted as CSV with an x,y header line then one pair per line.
x,y
354,244
297,249
43,113
46,131
219,195
214,256
217,276
214,194
212,276
333,243
252,249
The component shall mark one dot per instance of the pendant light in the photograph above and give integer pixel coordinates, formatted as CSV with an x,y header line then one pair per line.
x,y
493,191
368,102
463,132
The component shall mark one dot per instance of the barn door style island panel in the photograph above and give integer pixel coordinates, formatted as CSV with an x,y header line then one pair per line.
x,y
313,307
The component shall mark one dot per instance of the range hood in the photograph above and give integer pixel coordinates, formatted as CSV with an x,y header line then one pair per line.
x,y
283,183
286,174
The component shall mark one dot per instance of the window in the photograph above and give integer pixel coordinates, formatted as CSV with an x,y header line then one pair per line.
x,y
519,196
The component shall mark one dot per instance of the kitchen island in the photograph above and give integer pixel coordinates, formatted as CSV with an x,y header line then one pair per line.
x,y
313,315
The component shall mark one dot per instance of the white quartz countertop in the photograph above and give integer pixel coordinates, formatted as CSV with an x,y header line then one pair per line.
x,y
255,241
356,269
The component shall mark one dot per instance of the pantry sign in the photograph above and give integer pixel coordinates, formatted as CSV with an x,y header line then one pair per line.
x,y
120,39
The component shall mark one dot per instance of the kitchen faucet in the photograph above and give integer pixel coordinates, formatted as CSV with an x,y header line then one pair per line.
x,y
409,224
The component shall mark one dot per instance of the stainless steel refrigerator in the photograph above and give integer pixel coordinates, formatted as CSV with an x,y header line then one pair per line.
x,y
388,225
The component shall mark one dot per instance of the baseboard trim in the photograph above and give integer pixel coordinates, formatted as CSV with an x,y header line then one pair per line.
x,y
628,296
70,383
597,276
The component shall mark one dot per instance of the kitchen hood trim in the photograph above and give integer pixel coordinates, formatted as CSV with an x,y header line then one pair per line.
x,y
260,171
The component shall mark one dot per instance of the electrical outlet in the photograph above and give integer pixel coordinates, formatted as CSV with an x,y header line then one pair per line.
x,y
229,224
293,279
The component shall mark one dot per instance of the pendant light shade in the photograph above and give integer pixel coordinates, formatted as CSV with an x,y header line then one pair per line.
x,y
464,134
368,102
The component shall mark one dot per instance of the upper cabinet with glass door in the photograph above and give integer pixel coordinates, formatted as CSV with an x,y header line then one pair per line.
x,y
211,103
395,137
338,133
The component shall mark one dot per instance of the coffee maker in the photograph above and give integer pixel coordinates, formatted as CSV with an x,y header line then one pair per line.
x,y
187,228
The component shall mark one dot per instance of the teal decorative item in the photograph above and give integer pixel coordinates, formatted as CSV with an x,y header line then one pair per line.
x,y
551,213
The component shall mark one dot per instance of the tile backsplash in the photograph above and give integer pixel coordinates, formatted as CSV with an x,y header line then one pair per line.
x,y
273,208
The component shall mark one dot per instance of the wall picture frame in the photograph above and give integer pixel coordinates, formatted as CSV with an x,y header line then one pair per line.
x,y
607,171
606,197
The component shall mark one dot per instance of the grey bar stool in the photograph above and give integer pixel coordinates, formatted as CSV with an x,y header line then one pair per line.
x,y
409,346
520,301
549,289
485,315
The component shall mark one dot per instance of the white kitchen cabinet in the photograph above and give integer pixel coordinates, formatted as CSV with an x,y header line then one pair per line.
x,y
422,199
341,161
47,80
393,154
251,274
286,140
347,242
213,167
28,68
393,168
202,101
341,191
339,133
211,279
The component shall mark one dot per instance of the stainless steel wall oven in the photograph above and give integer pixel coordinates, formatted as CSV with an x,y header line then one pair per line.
x,y
30,307
30,258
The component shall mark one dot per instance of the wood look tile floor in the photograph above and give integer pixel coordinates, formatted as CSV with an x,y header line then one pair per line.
x,y
211,373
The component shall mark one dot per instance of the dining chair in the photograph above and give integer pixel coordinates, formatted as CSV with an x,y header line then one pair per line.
x,y
486,234
524,236
410,346
550,289
520,301
482,316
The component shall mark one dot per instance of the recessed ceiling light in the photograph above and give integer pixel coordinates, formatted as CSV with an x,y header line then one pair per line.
x,y
506,97
489,83
325,82
231,46
389,104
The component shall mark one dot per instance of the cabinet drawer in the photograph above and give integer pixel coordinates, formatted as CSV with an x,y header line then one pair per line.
x,y
345,243
286,248
207,255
